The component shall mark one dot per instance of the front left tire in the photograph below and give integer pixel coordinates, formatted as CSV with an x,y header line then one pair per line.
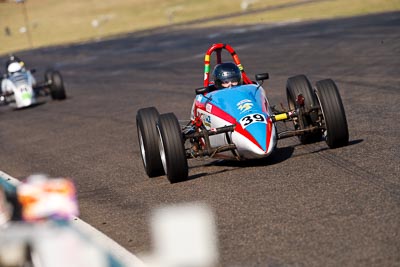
x,y
336,129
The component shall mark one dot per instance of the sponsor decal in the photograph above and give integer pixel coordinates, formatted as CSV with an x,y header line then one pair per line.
x,y
208,107
207,121
26,95
244,105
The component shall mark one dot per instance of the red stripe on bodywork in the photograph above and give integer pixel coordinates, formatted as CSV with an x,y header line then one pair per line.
x,y
216,111
269,132
225,116
246,134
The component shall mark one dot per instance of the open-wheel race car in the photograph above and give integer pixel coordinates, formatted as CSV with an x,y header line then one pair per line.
x,y
238,123
20,89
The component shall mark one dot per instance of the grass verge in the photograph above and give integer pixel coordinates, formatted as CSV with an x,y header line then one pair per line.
x,y
38,23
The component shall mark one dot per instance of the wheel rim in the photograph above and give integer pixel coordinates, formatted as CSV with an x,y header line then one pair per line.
x,y
325,131
142,150
162,151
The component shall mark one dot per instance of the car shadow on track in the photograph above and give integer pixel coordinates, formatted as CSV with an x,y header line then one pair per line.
x,y
318,147
39,103
278,156
355,142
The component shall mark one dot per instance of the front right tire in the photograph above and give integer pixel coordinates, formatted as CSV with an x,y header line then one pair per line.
x,y
146,120
172,149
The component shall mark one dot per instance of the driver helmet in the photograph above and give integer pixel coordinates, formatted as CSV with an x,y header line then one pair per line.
x,y
14,64
14,67
227,75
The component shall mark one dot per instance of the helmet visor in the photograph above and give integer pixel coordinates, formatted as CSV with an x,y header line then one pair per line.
x,y
229,83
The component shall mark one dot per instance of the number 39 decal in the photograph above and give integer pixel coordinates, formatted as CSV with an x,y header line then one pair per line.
x,y
252,118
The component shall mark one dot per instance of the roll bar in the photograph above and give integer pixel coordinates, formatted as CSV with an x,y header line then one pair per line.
x,y
217,48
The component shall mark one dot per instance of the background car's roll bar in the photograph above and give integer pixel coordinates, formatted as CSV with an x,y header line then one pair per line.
x,y
218,48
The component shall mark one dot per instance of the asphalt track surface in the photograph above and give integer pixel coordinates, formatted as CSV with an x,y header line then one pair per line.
x,y
307,206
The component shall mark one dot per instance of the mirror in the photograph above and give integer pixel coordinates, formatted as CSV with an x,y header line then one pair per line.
x,y
201,90
262,76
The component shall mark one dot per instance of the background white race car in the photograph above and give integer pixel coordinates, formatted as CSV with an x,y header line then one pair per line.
x,y
20,89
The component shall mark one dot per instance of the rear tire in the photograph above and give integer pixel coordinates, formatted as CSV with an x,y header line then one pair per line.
x,y
337,133
295,86
172,148
146,120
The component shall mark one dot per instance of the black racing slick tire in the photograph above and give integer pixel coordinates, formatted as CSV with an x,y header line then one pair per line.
x,y
146,121
336,132
297,85
57,90
300,85
172,148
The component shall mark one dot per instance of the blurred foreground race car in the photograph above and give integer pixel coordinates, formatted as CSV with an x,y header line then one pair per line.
x,y
19,88
38,198
43,198
39,227
238,123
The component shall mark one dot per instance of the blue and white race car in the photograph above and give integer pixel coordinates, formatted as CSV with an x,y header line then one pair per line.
x,y
238,123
